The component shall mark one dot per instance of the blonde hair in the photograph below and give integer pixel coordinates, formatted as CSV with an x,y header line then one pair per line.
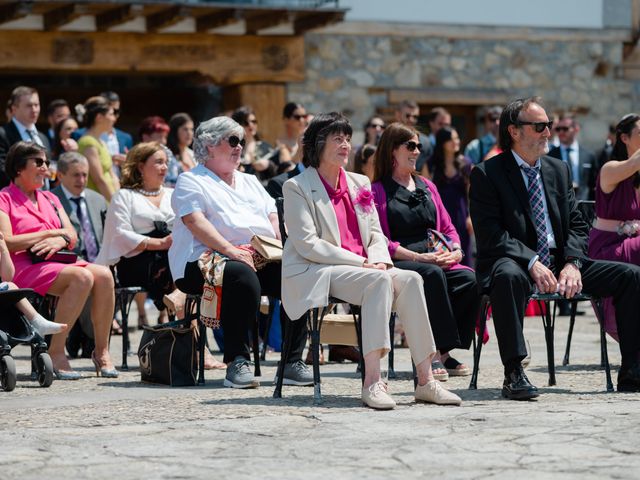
x,y
131,176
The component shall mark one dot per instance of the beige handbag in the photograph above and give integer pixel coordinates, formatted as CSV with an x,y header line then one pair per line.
x,y
269,248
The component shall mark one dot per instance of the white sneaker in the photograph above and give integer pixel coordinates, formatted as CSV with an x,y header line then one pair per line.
x,y
433,392
376,396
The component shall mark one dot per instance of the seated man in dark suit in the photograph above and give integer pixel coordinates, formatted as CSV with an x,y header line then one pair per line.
x,y
86,210
530,236
24,105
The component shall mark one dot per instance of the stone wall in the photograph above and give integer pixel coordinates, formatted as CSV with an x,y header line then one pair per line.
x,y
354,73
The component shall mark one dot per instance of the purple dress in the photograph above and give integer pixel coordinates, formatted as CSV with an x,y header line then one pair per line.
x,y
621,204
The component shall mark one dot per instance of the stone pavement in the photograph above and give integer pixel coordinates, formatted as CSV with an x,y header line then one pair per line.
x,y
106,428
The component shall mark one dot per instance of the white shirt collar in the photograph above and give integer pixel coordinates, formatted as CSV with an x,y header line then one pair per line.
x,y
521,163
70,195
22,128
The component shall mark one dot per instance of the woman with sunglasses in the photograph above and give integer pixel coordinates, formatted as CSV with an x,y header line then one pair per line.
x,y
256,154
34,222
335,247
409,205
219,209
614,235
294,117
450,173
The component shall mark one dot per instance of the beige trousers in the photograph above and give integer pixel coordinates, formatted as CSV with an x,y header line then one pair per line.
x,y
379,293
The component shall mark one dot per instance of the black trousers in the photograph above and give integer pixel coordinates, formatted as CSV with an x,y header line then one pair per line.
x,y
452,302
511,286
241,291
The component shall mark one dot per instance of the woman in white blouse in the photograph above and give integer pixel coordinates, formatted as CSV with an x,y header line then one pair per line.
x,y
137,232
220,209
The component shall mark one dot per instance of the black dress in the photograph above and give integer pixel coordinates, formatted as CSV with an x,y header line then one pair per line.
x,y
452,295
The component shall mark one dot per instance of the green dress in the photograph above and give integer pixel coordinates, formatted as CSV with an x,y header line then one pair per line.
x,y
105,161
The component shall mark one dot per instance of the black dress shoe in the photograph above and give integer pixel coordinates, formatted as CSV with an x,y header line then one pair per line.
x,y
343,353
517,386
629,379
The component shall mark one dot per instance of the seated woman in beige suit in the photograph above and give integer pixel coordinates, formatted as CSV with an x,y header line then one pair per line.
x,y
336,247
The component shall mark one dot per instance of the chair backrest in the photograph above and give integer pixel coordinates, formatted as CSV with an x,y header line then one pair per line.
x,y
588,210
283,229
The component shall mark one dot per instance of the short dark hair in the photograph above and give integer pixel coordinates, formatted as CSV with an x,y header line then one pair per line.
x,y
241,115
110,96
56,104
568,116
315,137
435,112
18,155
407,104
393,136
20,91
510,116
289,108
362,156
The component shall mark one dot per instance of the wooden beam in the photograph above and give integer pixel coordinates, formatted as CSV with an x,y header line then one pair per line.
x,y
246,59
305,22
56,18
218,19
266,19
116,16
14,11
167,17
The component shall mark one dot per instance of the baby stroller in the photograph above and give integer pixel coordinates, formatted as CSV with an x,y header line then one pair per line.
x,y
15,329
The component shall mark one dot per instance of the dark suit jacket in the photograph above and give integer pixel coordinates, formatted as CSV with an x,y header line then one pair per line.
x,y
97,206
125,141
9,135
588,172
502,217
274,187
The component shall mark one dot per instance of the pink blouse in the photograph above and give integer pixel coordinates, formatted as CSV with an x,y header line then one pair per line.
x,y
350,237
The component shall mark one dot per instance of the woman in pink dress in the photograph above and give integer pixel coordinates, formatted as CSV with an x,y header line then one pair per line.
x,y
34,222
615,233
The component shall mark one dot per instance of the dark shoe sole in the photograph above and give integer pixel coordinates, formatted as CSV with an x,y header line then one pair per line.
x,y
519,395
296,383
628,388
228,383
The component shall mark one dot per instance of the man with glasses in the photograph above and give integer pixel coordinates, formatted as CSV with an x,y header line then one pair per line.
x,y
531,237
408,113
478,148
581,161
25,110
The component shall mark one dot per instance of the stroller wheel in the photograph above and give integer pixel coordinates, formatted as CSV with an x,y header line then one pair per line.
x,y
7,373
44,369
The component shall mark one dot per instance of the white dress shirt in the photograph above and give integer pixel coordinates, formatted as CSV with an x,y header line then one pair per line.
x,y
237,213
551,239
22,130
129,218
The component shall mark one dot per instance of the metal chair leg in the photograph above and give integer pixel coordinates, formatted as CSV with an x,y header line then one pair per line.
x,y
256,347
284,355
125,300
316,324
357,318
477,344
548,321
572,322
598,309
265,339
392,328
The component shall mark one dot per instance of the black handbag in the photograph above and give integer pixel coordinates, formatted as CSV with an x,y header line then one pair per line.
x,y
167,354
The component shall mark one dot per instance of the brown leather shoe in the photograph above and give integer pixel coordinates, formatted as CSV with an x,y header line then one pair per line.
x,y
309,359
343,353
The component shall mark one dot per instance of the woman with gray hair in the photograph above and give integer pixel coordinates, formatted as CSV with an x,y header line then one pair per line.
x,y
218,211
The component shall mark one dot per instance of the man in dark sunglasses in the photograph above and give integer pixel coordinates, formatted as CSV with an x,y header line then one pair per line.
x,y
581,161
531,237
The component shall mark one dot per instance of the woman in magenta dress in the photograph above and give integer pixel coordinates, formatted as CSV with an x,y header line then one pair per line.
x,y
615,233
34,221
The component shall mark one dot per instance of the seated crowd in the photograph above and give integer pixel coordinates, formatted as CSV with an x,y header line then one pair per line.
x,y
389,229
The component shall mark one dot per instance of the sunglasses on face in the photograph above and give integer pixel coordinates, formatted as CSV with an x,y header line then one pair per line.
x,y
537,126
116,111
411,146
299,117
376,125
235,141
562,129
40,161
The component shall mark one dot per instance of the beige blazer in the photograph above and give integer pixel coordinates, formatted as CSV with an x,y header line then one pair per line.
x,y
313,245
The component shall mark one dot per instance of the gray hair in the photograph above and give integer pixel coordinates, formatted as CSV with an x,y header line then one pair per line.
x,y
211,133
70,158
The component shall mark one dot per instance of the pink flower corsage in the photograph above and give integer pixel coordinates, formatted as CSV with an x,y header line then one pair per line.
x,y
364,200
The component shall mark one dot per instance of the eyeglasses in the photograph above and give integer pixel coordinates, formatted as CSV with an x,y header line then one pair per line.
x,y
562,129
381,126
40,161
537,126
411,146
235,141
299,117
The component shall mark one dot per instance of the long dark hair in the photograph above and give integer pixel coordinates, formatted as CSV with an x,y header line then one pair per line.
x,y
175,122
392,137
625,127
438,161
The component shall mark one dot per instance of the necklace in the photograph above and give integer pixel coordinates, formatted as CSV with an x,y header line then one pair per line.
x,y
152,193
